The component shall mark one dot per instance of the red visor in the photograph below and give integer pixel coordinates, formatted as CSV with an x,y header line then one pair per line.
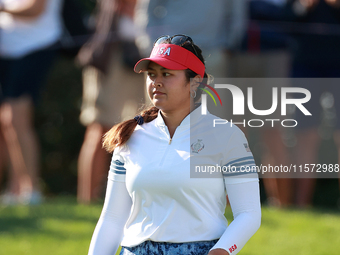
x,y
172,57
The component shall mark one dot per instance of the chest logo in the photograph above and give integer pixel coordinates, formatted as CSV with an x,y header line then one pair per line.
x,y
197,146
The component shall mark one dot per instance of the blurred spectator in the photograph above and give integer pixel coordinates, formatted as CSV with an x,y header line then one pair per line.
x,y
3,157
216,28
29,31
112,91
317,55
265,54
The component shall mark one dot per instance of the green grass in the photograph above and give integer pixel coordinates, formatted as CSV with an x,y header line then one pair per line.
x,y
60,227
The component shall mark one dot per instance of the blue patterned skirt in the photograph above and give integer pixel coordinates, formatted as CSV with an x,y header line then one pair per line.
x,y
164,248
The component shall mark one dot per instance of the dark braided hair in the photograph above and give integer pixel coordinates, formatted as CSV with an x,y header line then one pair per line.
x,y
119,134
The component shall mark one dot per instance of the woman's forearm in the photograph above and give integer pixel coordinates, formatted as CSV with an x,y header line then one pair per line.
x,y
109,230
245,203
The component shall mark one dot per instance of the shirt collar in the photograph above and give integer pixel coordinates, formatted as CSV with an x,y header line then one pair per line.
x,y
191,118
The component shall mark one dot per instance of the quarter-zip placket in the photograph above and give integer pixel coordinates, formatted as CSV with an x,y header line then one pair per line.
x,y
166,131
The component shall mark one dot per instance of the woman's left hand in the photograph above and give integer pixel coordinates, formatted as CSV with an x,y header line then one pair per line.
x,y
218,252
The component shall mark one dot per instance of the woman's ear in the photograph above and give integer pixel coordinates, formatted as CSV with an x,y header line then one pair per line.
x,y
195,82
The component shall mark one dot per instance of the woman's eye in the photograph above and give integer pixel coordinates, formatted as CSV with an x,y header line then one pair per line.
x,y
166,74
151,74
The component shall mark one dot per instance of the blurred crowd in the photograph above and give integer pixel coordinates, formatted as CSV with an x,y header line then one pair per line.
x,y
257,39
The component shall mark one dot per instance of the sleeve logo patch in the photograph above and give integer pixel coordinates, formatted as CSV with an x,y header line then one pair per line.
x,y
232,248
246,146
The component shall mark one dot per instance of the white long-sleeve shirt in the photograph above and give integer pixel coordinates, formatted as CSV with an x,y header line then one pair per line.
x,y
156,192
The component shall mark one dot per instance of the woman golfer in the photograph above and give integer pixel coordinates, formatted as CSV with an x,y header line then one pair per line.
x,y
172,169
